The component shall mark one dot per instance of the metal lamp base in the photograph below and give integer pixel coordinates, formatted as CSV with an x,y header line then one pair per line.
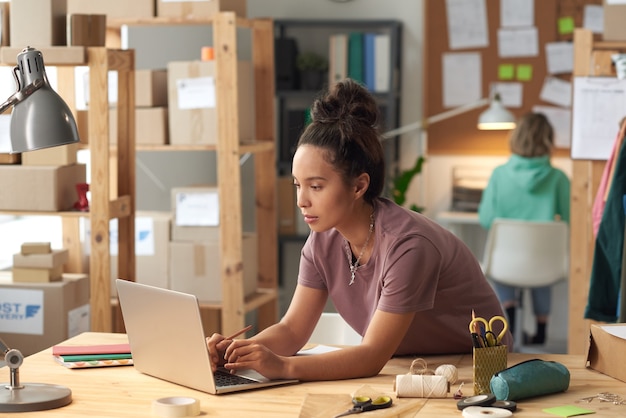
x,y
33,397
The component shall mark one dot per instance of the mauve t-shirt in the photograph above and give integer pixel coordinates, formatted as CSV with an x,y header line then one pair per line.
x,y
416,266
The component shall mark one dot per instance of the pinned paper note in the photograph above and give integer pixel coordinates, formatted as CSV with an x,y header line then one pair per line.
x,y
506,71
524,72
566,25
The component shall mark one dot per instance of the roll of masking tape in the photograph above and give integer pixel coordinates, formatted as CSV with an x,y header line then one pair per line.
x,y
486,411
175,407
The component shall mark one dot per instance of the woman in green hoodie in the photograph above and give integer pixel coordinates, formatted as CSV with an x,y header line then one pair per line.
x,y
527,187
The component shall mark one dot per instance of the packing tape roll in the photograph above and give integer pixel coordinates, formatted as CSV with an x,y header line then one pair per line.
x,y
486,411
421,386
175,407
477,400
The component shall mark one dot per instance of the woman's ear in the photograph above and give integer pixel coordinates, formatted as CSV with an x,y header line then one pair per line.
x,y
361,184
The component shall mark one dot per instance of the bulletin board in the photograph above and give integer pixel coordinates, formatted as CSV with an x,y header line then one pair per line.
x,y
459,135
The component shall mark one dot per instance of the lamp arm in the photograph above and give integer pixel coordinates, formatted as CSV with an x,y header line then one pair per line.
x,y
436,118
21,95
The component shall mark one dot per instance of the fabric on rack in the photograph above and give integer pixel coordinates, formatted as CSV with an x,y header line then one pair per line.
x,y
605,282
605,181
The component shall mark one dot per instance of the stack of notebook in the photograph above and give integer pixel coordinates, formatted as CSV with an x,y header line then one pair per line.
x,y
83,356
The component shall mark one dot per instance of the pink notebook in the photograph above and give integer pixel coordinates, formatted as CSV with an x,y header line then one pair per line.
x,y
67,350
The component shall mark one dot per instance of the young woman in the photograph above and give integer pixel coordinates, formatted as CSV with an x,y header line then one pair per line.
x,y
527,187
403,282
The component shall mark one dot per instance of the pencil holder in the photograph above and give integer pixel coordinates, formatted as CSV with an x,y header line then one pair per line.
x,y
487,362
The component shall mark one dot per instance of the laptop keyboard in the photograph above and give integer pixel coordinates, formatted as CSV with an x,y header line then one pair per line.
x,y
223,378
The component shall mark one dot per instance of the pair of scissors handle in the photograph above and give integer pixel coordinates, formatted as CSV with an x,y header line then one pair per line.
x,y
365,403
490,335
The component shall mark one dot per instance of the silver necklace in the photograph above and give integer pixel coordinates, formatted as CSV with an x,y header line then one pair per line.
x,y
356,265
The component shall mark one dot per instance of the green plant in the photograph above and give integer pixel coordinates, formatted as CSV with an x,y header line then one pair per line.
x,y
311,61
403,180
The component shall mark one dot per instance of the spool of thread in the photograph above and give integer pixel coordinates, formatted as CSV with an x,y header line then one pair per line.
x,y
449,371
421,386
207,53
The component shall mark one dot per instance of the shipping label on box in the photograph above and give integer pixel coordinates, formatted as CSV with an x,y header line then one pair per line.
x,y
35,316
198,9
196,206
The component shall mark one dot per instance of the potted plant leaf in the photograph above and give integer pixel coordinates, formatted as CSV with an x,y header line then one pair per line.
x,y
312,68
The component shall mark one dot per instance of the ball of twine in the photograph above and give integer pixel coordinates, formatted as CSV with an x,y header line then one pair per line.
x,y
449,371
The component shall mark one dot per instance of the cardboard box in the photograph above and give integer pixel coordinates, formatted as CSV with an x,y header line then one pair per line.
x,y
36,248
40,188
195,212
113,8
39,315
286,206
195,268
607,345
150,125
152,238
37,274
199,9
38,23
53,259
86,29
193,102
61,155
614,16
150,88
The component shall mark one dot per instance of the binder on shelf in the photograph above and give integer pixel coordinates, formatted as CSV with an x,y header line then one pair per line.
x,y
338,57
382,70
355,56
369,60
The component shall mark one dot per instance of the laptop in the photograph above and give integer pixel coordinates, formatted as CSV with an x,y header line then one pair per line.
x,y
167,341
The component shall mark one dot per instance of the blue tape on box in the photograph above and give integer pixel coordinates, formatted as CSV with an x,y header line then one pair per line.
x,y
530,378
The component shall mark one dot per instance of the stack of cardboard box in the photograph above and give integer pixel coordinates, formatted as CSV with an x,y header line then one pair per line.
x,y
37,262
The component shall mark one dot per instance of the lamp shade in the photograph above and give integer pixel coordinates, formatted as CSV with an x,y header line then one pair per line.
x,y
496,117
40,119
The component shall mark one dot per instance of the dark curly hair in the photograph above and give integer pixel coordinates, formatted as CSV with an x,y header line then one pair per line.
x,y
344,122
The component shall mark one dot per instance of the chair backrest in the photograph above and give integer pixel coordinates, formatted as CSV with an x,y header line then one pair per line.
x,y
527,253
332,329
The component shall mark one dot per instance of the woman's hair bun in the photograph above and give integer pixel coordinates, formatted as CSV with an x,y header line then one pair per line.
x,y
346,101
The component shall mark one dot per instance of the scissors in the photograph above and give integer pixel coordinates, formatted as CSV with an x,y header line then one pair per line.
x,y
490,336
365,403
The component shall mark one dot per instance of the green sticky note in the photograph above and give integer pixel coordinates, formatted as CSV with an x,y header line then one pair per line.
x,y
524,72
566,25
568,411
506,71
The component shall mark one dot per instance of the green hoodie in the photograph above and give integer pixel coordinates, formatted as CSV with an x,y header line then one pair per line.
x,y
527,189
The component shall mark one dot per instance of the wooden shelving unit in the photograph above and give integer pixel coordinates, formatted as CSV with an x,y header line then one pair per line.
x,y
591,58
104,205
234,306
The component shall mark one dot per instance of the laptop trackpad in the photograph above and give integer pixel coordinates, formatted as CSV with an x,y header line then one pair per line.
x,y
252,374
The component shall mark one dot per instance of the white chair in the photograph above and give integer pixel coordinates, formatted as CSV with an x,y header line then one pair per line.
x,y
333,330
526,254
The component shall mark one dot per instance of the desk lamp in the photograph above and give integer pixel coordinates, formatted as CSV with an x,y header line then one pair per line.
x,y
497,117
17,397
40,117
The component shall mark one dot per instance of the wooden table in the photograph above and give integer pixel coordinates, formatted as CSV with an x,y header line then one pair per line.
x,y
124,392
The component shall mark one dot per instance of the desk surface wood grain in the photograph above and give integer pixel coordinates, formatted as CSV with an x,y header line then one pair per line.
x,y
124,392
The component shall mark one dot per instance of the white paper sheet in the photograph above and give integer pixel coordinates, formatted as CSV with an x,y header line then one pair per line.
x,y
467,24
516,13
518,42
556,91
615,330
561,121
593,18
462,78
511,94
599,105
318,349
559,57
